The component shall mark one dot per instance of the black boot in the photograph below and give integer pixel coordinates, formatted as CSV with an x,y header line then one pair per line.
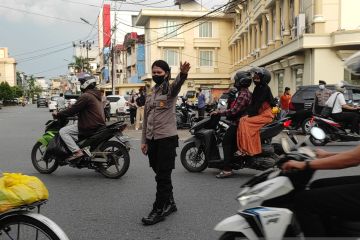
x,y
169,207
156,215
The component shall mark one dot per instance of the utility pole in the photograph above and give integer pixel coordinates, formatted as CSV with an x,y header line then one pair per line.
x,y
87,45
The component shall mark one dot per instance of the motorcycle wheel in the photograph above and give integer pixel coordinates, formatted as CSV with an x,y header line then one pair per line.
x,y
113,168
36,160
317,142
307,125
192,159
232,236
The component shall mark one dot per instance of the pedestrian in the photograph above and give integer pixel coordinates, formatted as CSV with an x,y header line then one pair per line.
x,y
201,104
159,136
321,96
132,107
60,102
285,102
140,103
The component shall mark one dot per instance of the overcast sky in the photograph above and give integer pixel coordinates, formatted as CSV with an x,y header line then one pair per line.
x,y
43,45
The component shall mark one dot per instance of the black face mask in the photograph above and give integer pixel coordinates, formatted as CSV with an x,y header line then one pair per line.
x,y
257,83
158,79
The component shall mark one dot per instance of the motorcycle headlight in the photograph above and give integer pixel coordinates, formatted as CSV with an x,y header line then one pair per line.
x,y
248,199
192,131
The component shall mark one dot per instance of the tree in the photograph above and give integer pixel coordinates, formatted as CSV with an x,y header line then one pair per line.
x,y
17,91
80,64
6,92
33,89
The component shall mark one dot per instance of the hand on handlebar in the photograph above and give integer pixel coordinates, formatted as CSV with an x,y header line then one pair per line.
x,y
55,114
293,165
215,112
321,153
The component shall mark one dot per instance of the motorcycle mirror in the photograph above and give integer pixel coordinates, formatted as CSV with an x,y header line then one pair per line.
x,y
317,133
222,103
285,145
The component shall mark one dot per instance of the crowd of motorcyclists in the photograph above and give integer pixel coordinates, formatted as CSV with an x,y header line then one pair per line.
x,y
248,112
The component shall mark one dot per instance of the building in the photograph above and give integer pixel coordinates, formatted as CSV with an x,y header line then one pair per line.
x,y
299,41
114,25
43,84
7,67
183,34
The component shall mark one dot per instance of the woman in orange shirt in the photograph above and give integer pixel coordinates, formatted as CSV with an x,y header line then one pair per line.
x,y
285,102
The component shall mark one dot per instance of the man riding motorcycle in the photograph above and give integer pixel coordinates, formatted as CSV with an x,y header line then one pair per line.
x,y
242,83
90,115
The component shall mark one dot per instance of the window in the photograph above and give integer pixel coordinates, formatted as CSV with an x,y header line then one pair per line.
x,y
171,56
205,30
206,58
171,29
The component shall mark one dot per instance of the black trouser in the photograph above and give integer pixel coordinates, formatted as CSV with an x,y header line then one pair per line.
x,y
348,118
132,115
332,197
229,146
201,113
318,109
162,153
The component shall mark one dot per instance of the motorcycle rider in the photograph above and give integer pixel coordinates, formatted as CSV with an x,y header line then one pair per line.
x,y
90,112
242,83
337,100
327,198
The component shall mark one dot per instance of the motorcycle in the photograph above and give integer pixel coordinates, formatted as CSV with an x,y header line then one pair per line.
x,y
107,111
201,151
185,116
105,151
334,131
254,221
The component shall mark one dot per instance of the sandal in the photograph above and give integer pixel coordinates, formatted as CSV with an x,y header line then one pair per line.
x,y
240,154
224,174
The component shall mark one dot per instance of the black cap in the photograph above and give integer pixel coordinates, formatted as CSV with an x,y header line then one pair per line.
x,y
287,89
322,82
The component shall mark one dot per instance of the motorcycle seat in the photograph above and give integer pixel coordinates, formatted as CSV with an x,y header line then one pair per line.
x,y
84,136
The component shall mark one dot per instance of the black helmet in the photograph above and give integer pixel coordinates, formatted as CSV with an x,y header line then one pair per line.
x,y
242,79
263,73
87,81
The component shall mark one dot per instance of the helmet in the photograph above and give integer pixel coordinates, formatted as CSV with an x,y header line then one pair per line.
x,y
242,79
263,73
87,81
340,87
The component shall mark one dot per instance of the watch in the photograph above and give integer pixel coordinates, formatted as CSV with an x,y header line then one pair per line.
x,y
307,165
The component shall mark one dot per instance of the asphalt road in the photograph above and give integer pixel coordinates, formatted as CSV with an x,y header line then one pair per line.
x,y
89,206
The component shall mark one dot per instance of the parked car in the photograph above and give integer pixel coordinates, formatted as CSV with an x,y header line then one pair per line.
x,y
223,101
53,103
42,102
304,97
118,103
70,99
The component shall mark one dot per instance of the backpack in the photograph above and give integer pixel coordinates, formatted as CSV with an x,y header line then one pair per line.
x,y
140,101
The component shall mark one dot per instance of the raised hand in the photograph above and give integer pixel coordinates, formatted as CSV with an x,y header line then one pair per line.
x,y
184,67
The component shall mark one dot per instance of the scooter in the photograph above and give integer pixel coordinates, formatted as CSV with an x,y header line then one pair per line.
x,y
201,151
254,221
106,150
185,116
334,131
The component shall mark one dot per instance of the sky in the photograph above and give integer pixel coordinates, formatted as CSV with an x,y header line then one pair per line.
x,y
39,33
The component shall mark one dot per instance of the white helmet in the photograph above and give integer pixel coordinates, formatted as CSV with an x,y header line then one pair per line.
x,y
87,80
340,87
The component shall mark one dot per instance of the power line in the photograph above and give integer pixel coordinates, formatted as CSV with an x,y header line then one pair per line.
x,y
42,55
39,14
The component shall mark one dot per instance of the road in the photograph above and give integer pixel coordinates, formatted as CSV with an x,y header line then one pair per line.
x,y
89,206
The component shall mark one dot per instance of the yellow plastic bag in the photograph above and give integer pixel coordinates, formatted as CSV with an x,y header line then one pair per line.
x,y
17,189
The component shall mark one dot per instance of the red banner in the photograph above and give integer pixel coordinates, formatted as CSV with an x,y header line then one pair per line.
x,y
106,25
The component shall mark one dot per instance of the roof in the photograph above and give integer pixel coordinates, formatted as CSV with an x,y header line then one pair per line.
x,y
145,15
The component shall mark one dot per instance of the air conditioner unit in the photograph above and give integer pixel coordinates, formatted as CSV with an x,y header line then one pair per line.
x,y
300,25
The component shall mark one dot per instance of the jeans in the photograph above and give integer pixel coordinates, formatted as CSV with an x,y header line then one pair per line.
x,y
132,115
348,118
201,113
69,135
229,147
162,153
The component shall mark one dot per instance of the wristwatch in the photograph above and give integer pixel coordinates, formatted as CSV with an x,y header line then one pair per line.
x,y
307,165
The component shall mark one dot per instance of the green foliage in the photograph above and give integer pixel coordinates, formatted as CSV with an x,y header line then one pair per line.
x,y
80,64
6,92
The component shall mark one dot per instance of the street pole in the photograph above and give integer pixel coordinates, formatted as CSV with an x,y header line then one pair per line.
x,y
114,56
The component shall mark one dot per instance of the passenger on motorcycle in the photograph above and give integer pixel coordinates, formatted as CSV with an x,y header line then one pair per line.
x,y
242,83
90,115
259,114
338,103
337,197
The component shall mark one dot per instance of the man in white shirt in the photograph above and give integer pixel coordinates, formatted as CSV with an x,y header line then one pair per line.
x,y
338,103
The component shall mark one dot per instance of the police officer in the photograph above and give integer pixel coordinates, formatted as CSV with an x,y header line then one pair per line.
x,y
159,136
321,96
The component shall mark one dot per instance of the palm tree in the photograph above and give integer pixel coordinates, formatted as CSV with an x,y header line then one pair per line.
x,y
80,64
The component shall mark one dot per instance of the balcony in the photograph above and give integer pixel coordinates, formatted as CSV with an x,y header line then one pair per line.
x,y
172,42
207,42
